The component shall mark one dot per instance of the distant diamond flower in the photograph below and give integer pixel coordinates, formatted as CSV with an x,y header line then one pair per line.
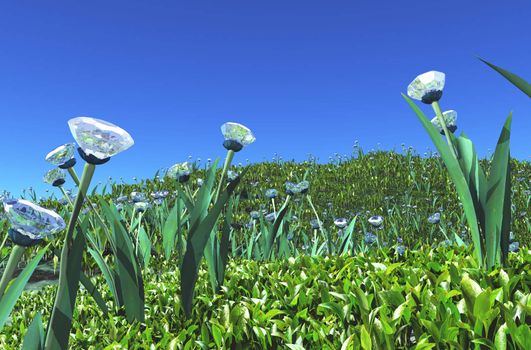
x,y
450,118
400,249
232,175
315,224
427,87
236,136
290,236
200,182
514,247
254,215
98,140
120,199
159,195
138,197
55,177
271,193
376,220
62,156
435,218
369,238
340,222
179,171
271,217
142,206
31,221
293,189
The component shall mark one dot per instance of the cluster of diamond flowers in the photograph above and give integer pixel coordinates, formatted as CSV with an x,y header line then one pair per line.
x,y
428,88
300,188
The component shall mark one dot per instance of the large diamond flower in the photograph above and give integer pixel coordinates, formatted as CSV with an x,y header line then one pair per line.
x,y
62,156
32,220
450,119
427,87
55,177
236,136
99,138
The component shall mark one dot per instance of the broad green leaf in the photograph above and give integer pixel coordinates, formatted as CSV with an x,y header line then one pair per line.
x,y
145,246
170,228
14,291
366,342
34,338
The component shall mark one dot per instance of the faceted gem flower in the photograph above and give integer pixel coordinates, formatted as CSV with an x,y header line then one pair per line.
x,y
55,177
159,195
180,171
62,156
290,236
120,199
400,249
376,220
142,206
514,247
32,220
236,136
293,189
315,224
450,118
340,222
271,217
271,193
138,197
427,87
370,238
99,138
254,215
435,218
200,182
232,175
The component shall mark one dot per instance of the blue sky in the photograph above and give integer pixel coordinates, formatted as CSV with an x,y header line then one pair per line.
x,y
305,76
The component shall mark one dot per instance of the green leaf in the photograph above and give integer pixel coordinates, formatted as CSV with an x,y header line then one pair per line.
x,y
145,246
170,229
107,273
500,341
498,200
224,245
14,291
34,338
366,342
196,242
513,78
457,177
471,289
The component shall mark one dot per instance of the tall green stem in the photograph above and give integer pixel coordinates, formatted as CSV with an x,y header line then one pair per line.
x,y
14,258
57,318
228,160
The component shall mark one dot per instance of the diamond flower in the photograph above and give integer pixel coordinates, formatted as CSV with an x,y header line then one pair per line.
x,y
255,215
31,221
55,177
138,197
435,218
369,238
98,139
62,156
450,117
179,171
376,220
142,206
340,222
236,136
427,87
315,224
232,175
271,193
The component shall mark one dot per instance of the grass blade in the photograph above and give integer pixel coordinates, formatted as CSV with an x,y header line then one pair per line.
x,y
34,338
513,78
12,294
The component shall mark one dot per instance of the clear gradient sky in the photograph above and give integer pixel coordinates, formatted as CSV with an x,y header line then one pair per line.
x,y
305,76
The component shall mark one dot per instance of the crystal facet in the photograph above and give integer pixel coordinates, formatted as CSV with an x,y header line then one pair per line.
x,y
99,138
32,220
427,87
237,133
61,154
450,119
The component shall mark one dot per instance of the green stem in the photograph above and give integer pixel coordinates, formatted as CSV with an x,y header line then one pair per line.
x,y
12,263
57,318
327,236
228,160
66,196
439,114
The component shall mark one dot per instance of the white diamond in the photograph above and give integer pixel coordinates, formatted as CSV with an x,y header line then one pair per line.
x,y
237,132
98,137
54,175
32,220
61,154
449,117
424,83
